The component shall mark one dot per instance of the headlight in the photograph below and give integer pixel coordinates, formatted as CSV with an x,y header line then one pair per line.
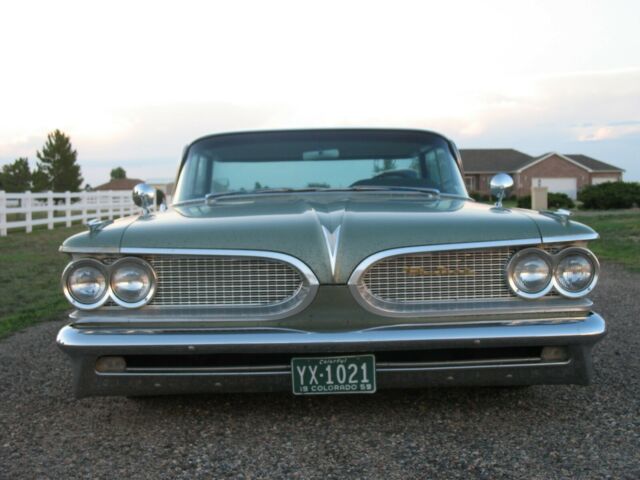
x,y
576,272
85,283
133,282
529,273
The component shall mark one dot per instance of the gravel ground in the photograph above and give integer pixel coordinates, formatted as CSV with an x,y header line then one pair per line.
x,y
540,432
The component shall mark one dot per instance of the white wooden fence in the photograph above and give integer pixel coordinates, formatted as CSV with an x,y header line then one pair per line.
x,y
26,210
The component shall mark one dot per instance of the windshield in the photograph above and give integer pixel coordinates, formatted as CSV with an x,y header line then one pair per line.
x,y
324,159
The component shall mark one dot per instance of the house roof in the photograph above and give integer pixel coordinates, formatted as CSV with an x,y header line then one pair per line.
x,y
492,160
120,184
593,164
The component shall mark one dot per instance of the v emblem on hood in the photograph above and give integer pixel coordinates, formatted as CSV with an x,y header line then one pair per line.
x,y
331,240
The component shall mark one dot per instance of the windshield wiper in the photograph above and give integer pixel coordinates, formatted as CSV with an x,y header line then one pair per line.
x,y
381,188
213,197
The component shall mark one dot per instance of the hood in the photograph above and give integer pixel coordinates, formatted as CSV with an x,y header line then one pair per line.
x,y
330,232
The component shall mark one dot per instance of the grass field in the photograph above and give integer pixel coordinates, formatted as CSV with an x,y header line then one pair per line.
x,y
619,236
30,266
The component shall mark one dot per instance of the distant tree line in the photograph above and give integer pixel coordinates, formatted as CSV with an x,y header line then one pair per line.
x,y
57,169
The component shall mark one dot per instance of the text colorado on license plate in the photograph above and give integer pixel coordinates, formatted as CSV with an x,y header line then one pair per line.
x,y
323,375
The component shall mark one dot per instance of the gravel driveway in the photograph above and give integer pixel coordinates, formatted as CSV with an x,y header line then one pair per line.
x,y
539,432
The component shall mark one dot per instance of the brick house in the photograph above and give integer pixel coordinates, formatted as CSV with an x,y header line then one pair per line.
x,y
558,172
119,184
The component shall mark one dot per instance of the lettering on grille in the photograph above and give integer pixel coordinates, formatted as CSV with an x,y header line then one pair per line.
x,y
440,276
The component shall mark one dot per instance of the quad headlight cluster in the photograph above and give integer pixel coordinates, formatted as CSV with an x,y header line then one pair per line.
x,y
130,282
572,272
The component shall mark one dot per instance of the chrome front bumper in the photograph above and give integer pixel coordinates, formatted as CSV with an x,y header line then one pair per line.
x,y
85,345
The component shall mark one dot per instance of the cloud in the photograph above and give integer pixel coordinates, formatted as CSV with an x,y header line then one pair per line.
x,y
585,112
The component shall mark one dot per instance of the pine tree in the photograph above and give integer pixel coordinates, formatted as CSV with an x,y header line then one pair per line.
x,y
40,181
16,176
58,164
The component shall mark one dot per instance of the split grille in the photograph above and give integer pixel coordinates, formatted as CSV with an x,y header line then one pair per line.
x,y
219,281
440,277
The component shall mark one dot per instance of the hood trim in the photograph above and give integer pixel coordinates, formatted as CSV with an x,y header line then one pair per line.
x,y
332,240
68,249
580,237
282,257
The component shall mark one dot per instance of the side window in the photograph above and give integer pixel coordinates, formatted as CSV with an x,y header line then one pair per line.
x,y
442,172
196,180
434,178
443,160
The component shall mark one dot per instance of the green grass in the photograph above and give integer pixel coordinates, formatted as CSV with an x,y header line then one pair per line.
x,y
30,268
619,236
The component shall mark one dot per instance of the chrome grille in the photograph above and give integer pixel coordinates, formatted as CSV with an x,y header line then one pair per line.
x,y
220,281
440,276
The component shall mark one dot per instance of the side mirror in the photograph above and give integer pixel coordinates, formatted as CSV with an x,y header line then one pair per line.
x,y
499,185
144,196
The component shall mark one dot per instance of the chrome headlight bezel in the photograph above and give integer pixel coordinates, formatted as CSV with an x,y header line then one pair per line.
x,y
513,261
588,254
153,281
73,266
107,271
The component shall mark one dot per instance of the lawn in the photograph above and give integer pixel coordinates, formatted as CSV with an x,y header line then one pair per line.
x,y
619,236
30,268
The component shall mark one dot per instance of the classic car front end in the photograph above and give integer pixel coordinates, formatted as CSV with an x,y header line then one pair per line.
x,y
328,261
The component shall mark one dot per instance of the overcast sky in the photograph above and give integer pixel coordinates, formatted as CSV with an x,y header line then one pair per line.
x,y
133,82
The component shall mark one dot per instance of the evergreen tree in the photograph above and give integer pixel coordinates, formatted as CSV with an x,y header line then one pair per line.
x,y
118,173
58,163
16,176
40,181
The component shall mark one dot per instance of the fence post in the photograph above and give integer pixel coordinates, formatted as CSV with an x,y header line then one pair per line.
x,y
110,205
67,208
50,210
3,213
28,216
83,199
539,198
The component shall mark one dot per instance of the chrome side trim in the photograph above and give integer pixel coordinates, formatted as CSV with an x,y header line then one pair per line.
x,y
582,237
97,250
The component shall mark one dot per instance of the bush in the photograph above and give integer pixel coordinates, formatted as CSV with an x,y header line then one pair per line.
x,y
610,195
560,200
554,200
480,197
524,202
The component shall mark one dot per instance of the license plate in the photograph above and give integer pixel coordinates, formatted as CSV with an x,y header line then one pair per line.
x,y
333,375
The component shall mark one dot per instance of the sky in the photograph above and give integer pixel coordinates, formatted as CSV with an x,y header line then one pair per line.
x,y
133,82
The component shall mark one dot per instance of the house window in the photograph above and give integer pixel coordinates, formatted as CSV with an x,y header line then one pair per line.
x,y
469,182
